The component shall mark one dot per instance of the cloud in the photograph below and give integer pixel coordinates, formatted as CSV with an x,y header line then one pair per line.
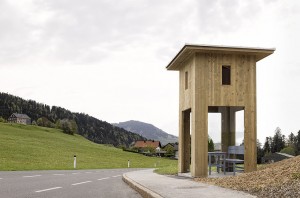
x,y
60,32
15,34
113,53
76,32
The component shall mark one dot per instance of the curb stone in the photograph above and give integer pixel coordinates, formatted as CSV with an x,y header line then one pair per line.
x,y
142,190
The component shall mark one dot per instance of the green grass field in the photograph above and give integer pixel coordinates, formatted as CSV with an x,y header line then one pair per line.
x,y
26,147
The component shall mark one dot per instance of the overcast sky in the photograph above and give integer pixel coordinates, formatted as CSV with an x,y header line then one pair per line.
x,y
107,58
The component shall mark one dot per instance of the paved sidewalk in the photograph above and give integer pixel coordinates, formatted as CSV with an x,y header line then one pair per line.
x,y
150,184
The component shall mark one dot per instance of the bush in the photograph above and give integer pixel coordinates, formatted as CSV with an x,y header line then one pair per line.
x,y
2,119
169,150
44,122
68,126
289,150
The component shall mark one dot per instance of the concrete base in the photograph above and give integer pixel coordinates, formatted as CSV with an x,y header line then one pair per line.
x,y
150,184
213,174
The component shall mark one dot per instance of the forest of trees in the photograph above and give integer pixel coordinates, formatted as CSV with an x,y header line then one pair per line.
x,y
280,143
56,117
104,133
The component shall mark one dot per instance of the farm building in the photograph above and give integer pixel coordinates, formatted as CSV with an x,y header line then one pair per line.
x,y
19,118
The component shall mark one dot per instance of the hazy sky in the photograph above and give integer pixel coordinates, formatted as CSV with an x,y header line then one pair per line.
x,y
107,58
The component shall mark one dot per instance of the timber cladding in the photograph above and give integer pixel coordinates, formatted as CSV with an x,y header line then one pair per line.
x,y
242,88
217,79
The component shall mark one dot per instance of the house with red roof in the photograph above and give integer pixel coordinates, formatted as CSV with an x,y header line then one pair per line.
x,y
147,143
148,146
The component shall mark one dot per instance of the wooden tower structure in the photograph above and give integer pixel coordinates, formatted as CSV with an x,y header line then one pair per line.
x,y
215,79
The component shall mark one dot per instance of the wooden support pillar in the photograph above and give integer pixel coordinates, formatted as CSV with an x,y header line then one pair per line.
x,y
250,139
228,127
199,136
250,136
181,144
199,143
184,142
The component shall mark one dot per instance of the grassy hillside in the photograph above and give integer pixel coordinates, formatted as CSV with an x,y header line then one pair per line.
x,y
89,127
25,147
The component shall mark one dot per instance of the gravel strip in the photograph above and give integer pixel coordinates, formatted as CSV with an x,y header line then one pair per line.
x,y
281,179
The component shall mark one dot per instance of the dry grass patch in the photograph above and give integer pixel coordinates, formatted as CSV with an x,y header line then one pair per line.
x,y
281,179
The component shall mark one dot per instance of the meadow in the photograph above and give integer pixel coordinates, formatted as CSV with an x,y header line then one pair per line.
x,y
28,147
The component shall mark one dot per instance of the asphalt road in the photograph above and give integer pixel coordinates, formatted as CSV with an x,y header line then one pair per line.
x,y
65,184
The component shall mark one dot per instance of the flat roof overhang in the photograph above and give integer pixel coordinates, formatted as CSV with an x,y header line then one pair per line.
x,y
189,49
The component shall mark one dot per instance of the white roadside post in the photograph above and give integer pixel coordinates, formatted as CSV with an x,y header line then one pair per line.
x,y
74,161
128,163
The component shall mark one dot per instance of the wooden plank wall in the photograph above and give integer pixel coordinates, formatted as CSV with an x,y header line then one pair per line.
x,y
205,89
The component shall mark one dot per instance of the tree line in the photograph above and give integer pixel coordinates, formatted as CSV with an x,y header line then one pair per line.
x,y
89,127
280,143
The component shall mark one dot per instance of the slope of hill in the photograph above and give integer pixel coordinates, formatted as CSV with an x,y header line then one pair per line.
x,y
28,147
91,128
148,131
280,179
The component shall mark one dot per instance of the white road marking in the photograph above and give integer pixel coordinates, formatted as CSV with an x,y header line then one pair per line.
x,y
103,178
88,172
116,176
33,176
75,173
1,178
81,183
38,191
58,174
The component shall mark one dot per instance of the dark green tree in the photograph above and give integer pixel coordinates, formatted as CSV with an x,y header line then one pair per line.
x,y
267,145
211,145
278,141
260,151
291,145
297,149
292,140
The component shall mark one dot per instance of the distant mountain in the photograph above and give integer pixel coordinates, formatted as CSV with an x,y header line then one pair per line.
x,y
148,131
89,127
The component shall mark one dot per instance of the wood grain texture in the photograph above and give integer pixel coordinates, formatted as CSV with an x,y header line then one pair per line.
x,y
205,91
